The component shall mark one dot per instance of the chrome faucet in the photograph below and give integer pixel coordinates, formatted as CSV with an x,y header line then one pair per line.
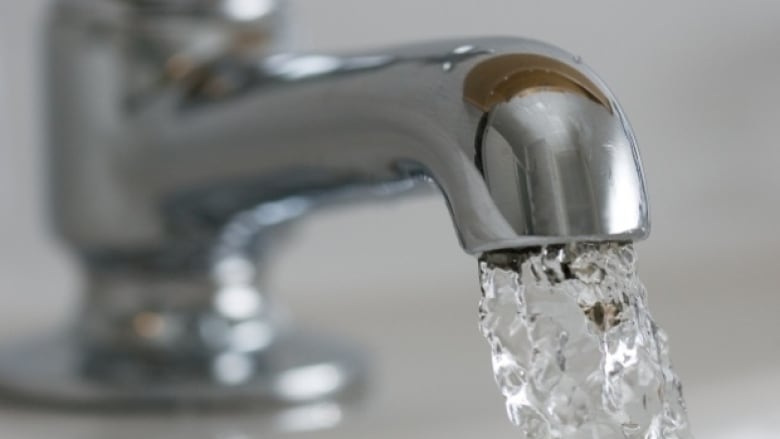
x,y
184,140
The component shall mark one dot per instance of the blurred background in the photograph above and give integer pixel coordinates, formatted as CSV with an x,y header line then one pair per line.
x,y
699,81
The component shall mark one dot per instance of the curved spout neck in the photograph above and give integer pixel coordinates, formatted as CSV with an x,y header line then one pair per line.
x,y
526,144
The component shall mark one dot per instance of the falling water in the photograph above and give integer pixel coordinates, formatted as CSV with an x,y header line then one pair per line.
x,y
575,350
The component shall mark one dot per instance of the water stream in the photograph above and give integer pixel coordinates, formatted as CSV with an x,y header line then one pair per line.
x,y
575,350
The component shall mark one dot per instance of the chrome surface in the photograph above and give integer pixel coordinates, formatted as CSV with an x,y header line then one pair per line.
x,y
297,370
184,140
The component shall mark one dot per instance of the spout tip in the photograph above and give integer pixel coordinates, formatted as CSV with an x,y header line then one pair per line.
x,y
556,154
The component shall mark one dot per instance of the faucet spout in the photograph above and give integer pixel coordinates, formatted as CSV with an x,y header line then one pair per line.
x,y
525,143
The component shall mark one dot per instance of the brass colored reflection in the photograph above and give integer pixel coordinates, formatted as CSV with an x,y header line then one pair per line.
x,y
501,78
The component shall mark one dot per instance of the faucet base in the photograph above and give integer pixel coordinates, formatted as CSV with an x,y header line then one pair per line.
x,y
298,369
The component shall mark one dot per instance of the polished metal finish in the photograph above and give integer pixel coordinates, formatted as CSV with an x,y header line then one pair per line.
x,y
565,170
184,140
196,149
299,369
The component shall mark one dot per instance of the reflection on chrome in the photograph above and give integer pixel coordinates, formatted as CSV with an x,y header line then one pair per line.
x,y
308,383
251,336
293,68
238,302
461,50
290,67
247,10
234,270
233,368
309,417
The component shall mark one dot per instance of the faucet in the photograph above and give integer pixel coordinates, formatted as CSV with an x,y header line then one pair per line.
x,y
184,140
